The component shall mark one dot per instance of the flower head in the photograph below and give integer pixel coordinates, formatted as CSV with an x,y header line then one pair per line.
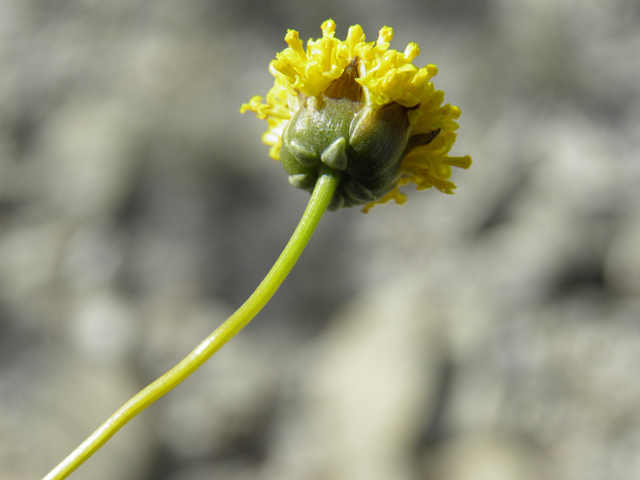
x,y
362,109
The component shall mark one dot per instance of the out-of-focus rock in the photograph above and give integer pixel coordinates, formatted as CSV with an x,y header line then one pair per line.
x,y
89,154
623,261
105,327
368,388
486,457
49,403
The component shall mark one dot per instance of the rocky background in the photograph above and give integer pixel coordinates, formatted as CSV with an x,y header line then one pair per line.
x,y
490,335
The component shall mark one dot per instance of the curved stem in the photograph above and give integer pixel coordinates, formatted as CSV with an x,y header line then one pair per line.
x,y
320,198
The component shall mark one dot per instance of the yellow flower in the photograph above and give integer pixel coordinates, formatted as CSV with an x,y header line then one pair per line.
x,y
362,109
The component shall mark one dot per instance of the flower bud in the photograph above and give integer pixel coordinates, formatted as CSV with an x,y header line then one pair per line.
x,y
362,110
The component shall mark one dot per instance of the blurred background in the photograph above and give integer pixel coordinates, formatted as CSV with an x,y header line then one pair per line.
x,y
490,335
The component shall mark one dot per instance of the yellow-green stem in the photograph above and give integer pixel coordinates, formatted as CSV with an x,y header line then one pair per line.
x,y
320,198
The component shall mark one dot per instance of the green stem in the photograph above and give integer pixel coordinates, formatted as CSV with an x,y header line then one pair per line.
x,y
320,198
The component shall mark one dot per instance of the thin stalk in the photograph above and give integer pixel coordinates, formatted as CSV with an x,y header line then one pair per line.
x,y
320,198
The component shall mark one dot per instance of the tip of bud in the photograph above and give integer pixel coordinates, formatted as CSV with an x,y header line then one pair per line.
x,y
346,86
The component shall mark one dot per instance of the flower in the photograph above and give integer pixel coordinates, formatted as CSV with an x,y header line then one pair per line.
x,y
361,109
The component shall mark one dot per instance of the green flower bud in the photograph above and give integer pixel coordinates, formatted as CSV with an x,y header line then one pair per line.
x,y
337,130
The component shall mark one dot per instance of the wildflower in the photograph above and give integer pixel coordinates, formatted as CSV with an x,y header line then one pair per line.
x,y
351,122
362,109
